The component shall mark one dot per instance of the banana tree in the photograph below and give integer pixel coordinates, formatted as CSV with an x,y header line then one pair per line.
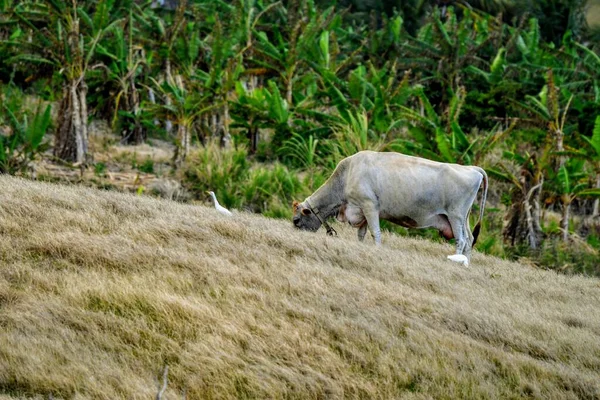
x,y
445,46
307,40
594,158
122,63
591,153
182,106
161,33
573,183
222,67
441,137
548,110
354,132
524,222
261,108
63,36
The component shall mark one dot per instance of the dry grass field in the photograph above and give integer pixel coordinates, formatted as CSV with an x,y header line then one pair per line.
x,y
99,291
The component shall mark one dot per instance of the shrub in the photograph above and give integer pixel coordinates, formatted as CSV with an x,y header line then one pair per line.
x,y
23,131
100,169
221,171
147,166
577,256
264,188
271,190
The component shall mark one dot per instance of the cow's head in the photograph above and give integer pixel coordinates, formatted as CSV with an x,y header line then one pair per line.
x,y
304,218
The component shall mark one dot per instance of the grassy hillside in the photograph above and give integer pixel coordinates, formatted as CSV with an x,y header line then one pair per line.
x,y
99,291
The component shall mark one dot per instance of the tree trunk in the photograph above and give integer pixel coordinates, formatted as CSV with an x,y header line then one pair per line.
x,y
252,135
152,99
564,222
562,160
214,127
536,216
84,118
226,136
135,134
71,138
596,201
181,152
169,77
532,219
255,137
523,226
288,92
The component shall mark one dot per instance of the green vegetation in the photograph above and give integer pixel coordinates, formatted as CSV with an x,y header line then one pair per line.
x,y
261,99
22,132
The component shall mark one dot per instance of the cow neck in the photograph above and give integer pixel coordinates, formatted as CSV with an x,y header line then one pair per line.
x,y
328,199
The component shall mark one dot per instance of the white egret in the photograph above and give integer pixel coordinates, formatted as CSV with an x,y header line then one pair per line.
x,y
459,258
219,207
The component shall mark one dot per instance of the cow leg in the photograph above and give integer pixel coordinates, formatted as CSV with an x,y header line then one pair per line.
x,y
362,230
468,239
458,225
372,216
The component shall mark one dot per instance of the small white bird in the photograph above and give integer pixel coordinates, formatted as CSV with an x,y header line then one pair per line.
x,y
219,207
459,258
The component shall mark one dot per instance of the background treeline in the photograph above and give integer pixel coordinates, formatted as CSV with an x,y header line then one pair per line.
x,y
263,98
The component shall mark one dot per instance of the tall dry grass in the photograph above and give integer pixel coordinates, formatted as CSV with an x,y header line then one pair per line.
x,y
99,291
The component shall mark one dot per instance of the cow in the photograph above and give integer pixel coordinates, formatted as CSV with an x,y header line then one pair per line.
x,y
410,191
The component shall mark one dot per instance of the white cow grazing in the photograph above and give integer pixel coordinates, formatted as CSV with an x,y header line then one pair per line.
x,y
410,191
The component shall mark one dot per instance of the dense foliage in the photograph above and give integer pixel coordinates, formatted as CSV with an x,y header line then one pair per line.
x,y
299,85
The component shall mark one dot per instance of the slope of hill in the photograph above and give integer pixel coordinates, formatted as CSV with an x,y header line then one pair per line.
x,y
99,291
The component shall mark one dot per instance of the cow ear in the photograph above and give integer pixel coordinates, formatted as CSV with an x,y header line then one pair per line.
x,y
295,205
305,211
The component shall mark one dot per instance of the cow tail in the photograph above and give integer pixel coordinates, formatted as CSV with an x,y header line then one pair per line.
x,y
483,199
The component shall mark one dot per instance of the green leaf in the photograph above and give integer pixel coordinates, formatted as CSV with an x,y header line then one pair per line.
x,y
589,52
477,71
456,103
537,107
593,193
339,101
459,134
498,65
442,29
85,18
504,175
533,36
397,28
357,86
102,13
443,145
522,46
16,34
300,149
159,26
429,110
416,118
277,105
59,6
37,128
419,135
267,48
324,46
564,180
31,58
595,141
